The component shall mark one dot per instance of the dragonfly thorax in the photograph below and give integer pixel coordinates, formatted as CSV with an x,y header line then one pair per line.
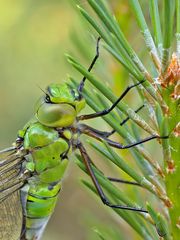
x,y
60,106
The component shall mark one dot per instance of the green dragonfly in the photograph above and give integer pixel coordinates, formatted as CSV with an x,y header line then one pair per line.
x,y
31,171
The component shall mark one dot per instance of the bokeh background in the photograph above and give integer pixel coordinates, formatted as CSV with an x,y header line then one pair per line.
x,y
34,35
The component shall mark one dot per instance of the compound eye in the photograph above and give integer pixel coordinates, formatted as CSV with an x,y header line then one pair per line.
x,y
47,99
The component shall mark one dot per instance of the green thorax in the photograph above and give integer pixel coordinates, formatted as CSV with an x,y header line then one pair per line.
x,y
45,150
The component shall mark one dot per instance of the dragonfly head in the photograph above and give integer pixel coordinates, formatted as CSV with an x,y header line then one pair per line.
x,y
59,106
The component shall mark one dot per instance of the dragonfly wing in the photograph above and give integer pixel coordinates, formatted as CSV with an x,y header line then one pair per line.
x,y
11,217
10,205
7,150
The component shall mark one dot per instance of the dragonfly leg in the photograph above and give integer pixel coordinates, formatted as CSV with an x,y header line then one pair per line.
x,y
87,161
81,85
108,110
94,133
106,133
136,111
83,128
125,120
118,180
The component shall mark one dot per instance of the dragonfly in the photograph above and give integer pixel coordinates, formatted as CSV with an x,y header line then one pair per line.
x,y
32,169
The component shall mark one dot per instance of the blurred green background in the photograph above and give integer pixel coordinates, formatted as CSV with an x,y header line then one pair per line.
x,y
34,35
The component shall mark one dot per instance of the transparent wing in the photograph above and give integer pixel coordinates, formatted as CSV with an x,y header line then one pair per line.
x,y
10,205
10,171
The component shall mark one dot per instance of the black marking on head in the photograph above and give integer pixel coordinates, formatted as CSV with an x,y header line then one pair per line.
x,y
47,98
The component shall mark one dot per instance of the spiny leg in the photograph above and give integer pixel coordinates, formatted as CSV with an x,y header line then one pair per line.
x,y
87,161
108,134
118,180
136,111
108,110
126,119
81,85
94,133
83,128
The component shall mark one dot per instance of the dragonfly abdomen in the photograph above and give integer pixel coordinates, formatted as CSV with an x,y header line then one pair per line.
x,y
40,203
47,168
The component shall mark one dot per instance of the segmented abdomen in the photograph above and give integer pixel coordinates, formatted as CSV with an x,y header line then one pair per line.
x,y
39,206
47,168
